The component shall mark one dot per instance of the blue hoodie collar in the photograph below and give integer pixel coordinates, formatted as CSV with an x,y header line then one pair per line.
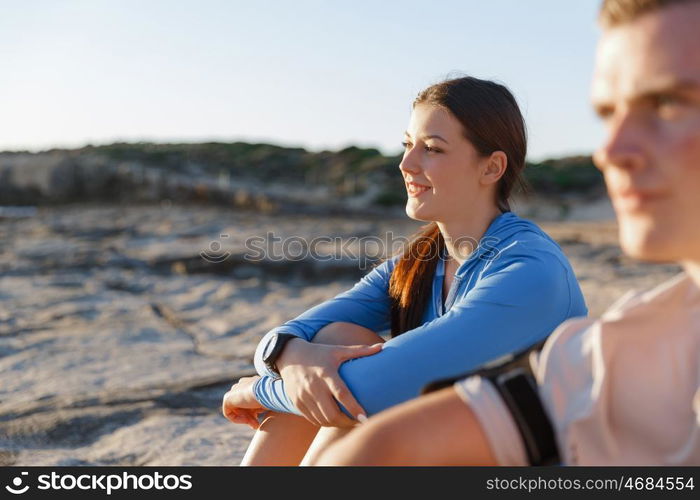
x,y
502,227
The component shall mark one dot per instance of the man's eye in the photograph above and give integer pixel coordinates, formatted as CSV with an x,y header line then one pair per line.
x,y
667,105
665,100
604,113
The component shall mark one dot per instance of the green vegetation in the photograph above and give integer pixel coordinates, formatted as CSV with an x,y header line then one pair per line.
x,y
571,175
349,172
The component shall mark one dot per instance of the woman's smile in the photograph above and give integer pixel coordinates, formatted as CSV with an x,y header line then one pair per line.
x,y
415,190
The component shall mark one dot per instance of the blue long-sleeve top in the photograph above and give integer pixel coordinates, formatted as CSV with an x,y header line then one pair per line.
x,y
511,293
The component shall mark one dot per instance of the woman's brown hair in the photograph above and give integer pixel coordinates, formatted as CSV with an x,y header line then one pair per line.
x,y
491,121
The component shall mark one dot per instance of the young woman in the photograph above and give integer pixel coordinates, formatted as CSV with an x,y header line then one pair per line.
x,y
477,283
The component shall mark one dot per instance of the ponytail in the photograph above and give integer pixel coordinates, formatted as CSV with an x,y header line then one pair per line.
x,y
410,286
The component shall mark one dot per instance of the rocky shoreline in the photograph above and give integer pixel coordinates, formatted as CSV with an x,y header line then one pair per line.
x,y
118,339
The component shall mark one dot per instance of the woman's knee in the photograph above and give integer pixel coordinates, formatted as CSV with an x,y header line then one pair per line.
x,y
368,444
326,437
281,439
342,333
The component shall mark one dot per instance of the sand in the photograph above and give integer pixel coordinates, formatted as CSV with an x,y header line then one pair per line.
x,y
118,340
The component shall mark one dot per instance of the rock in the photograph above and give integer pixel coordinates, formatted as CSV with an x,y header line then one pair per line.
x,y
118,339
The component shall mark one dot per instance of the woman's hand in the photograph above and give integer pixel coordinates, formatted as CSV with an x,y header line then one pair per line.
x,y
240,405
311,380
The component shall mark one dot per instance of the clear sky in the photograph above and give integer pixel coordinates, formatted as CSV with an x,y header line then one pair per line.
x,y
316,74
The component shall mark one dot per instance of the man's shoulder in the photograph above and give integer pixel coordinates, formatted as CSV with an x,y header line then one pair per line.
x,y
577,337
678,291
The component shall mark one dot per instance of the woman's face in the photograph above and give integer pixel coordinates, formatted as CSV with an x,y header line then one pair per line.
x,y
440,167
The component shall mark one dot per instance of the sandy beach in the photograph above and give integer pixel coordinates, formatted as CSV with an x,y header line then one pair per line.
x,y
118,339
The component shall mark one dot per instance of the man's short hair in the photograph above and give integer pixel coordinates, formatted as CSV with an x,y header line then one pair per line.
x,y
616,12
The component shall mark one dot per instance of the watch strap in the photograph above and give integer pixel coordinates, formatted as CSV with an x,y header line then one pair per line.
x,y
280,341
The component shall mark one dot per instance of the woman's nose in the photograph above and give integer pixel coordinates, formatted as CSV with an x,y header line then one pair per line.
x,y
409,162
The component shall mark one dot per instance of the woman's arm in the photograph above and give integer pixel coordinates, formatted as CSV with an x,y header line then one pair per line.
x,y
520,302
366,304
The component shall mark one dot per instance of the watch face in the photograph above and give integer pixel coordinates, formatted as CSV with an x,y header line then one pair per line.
x,y
270,347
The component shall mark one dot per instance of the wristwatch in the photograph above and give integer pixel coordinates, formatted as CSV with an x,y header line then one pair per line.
x,y
273,349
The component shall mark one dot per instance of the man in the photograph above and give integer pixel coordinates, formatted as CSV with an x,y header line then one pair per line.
x,y
623,389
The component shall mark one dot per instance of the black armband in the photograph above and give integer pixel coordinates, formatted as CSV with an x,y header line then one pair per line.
x,y
512,377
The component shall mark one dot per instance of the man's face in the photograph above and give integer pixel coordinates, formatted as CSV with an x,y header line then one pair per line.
x,y
646,89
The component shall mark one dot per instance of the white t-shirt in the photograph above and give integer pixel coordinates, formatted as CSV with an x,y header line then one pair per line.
x,y
620,390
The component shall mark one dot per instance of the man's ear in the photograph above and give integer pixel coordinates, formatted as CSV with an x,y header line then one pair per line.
x,y
496,165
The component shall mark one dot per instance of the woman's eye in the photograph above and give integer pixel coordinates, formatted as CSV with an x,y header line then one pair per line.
x,y
427,148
